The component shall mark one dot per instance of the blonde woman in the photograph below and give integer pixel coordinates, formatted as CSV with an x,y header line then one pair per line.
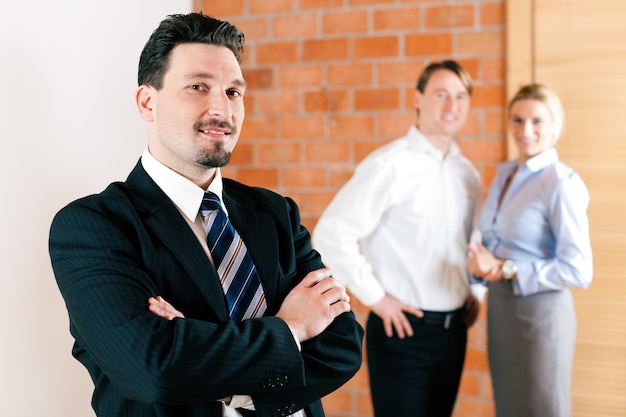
x,y
532,247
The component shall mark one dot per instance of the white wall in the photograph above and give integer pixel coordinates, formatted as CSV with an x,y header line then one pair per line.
x,y
68,127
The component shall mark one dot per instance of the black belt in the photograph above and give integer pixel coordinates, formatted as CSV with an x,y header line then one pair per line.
x,y
445,319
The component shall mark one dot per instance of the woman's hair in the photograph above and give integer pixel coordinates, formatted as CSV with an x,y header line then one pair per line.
x,y
184,28
546,96
447,65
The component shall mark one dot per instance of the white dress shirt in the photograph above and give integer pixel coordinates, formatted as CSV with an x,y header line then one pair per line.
x,y
401,225
187,197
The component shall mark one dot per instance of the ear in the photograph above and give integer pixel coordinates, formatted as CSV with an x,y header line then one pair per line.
x,y
145,100
417,100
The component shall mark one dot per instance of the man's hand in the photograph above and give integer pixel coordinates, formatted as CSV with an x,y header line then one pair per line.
x,y
391,311
160,307
313,304
472,307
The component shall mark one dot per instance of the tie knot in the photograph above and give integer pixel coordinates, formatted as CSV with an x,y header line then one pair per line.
x,y
210,202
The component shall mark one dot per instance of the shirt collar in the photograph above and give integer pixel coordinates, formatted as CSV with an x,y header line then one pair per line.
x,y
186,195
545,158
420,142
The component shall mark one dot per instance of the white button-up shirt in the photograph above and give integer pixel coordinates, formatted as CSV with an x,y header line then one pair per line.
x,y
401,225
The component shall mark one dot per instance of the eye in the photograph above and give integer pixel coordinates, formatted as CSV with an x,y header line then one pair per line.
x,y
537,121
197,87
234,93
516,120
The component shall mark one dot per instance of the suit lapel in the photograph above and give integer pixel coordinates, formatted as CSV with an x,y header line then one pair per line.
x,y
163,219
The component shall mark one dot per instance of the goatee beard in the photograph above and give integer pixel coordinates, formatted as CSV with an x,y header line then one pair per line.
x,y
218,158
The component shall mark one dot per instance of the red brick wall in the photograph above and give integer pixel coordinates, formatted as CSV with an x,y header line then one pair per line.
x,y
331,80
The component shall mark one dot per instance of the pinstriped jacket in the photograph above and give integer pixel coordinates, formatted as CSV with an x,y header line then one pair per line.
x,y
110,252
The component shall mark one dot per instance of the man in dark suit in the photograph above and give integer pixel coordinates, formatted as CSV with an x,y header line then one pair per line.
x,y
145,238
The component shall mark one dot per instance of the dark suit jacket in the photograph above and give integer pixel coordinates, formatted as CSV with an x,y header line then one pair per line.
x,y
112,251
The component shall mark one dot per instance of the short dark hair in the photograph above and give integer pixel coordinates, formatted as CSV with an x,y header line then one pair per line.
x,y
184,28
449,65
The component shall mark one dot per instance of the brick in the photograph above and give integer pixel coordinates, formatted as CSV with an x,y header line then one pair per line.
x,y
364,148
252,28
320,4
492,14
450,16
277,102
399,72
477,334
302,127
318,201
488,174
470,384
476,360
428,44
352,126
259,78
300,76
495,122
369,2
277,53
258,127
475,408
344,22
493,69
271,154
375,47
483,150
483,42
338,401
221,9
267,7
329,101
471,65
327,152
406,18
260,177
338,177
472,124
303,177
364,405
489,96
300,25
243,154
325,49
350,74
378,99
395,125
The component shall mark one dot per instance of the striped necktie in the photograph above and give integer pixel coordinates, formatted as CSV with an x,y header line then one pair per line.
x,y
238,275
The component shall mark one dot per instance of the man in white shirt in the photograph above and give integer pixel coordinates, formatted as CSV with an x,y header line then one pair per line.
x,y
396,234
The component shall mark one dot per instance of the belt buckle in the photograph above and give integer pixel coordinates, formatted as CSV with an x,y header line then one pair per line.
x,y
446,323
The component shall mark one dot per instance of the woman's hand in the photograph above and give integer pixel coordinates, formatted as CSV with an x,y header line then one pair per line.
x,y
482,263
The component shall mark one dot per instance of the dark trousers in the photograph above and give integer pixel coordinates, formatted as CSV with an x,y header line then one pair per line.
x,y
416,376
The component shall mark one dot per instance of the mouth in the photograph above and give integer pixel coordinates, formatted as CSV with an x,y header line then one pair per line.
x,y
214,132
215,129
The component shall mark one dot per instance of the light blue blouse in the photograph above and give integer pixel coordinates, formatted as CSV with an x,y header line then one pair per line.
x,y
541,224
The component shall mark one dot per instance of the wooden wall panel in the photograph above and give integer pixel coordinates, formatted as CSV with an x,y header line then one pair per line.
x,y
579,49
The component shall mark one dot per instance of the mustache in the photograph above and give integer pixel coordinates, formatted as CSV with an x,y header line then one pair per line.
x,y
222,124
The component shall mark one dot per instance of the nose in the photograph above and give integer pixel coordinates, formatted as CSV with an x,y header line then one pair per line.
x,y
528,128
219,105
451,104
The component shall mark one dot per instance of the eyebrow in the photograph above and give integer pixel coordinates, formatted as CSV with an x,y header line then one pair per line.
x,y
207,75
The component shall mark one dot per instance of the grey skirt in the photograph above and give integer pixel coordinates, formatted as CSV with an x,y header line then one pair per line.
x,y
531,349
